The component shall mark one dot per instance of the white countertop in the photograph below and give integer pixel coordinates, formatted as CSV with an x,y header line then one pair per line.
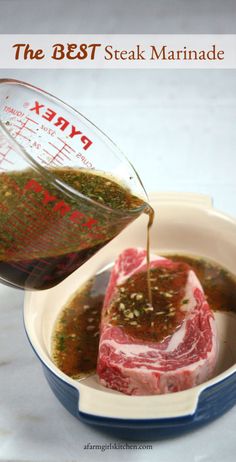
x,y
178,129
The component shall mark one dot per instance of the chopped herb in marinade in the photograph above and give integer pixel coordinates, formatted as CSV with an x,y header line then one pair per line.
x,y
75,349
219,285
99,188
60,340
132,310
75,338
48,232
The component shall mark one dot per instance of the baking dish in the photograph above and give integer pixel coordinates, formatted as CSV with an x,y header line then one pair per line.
x,y
185,224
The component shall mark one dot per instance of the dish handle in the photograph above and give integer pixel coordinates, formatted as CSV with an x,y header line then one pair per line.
x,y
102,403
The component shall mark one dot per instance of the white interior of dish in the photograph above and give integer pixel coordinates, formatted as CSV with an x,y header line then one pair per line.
x,y
184,223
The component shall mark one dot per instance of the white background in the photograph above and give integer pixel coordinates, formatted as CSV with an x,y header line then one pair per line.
x,y
179,130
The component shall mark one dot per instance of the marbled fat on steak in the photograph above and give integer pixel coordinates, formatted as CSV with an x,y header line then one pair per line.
x,y
178,362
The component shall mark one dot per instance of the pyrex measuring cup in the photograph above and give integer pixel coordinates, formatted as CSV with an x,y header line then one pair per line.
x,y
48,228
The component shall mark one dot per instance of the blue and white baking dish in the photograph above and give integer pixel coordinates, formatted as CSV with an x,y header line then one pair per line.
x,y
185,224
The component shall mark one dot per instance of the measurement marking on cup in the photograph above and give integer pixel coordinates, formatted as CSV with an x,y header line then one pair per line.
x,y
4,156
61,153
24,125
51,161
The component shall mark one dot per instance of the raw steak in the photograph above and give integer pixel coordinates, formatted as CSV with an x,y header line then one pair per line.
x,y
180,361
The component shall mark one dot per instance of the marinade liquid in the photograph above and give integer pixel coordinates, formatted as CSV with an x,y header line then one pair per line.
x,y
48,230
75,338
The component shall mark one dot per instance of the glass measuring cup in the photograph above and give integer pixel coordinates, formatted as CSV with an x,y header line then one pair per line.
x,y
48,228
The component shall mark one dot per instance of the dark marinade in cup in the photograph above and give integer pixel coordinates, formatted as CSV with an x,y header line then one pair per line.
x,y
47,233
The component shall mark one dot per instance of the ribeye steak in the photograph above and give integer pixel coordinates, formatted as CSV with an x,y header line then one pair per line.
x,y
137,366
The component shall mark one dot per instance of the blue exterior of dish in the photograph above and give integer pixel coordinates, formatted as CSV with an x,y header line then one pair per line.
x,y
213,402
